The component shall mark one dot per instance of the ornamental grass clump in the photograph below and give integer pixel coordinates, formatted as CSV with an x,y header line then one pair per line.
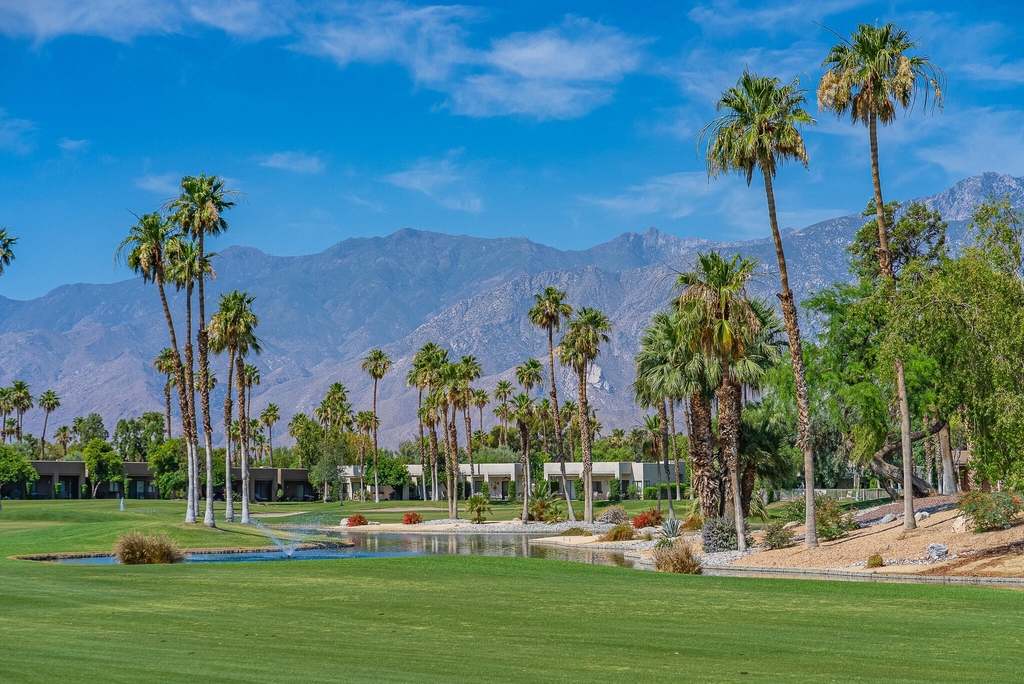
x,y
777,536
875,561
623,532
677,557
136,548
989,510
356,520
648,518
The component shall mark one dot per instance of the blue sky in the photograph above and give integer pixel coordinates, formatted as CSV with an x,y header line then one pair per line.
x,y
568,123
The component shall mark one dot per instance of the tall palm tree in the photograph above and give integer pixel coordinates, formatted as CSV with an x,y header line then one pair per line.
x,y
199,211
718,313
251,378
269,416
49,402
480,400
23,402
164,364
6,407
144,250
759,130
529,374
62,436
418,376
376,365
523,412
242,331
548,313
365,421
570,416
430,414
469,369
502,391
7,243
870,76
587,329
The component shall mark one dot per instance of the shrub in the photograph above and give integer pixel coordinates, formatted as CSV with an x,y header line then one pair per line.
x,y
621,532
875,561
649,518
631,491
512,490
412,519
832,521
719,534
477,505
357,520
574,532
794,511
776,536
136,548
614,515
677,557
485,489
693,520
554,513
579,489
650,493
615,491
989,510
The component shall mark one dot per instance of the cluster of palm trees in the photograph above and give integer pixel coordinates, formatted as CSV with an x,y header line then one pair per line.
x,y
169,248
870,77
15,402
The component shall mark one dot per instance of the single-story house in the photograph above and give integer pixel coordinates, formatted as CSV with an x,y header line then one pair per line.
x,y
603,472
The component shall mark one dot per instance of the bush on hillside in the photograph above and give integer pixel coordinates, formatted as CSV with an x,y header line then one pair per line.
x,y
776,536
136,548
719,534
677,557
989,510
622,532
832,520
357,520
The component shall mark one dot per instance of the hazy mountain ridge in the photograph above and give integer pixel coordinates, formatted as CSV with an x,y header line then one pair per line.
x,y
319,313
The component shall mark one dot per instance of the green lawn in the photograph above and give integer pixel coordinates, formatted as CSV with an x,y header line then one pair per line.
x,y
460,618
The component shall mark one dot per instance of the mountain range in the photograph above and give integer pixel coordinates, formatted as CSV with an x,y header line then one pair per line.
x,y
319,314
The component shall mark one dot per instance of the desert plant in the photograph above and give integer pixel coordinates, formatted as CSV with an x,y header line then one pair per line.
x,y
477,505
541,500
671,528
136,548
693,520
677,557
622,532
613,515
357,520
777,535
989,510
648,518
719,534
555,513
875,561
412,519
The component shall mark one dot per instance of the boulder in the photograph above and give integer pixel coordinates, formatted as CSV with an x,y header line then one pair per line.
x,y
886,519
922,515
343,523
791,524
937,551
960,524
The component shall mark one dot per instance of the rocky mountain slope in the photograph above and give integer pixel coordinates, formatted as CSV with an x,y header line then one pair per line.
x,y
93,344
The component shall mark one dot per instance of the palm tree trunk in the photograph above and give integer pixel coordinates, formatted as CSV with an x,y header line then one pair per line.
x,y
243,434
948,474
557,416
229,503
803,404
663,419
42,440
423,456
167,406
469,448
204,392
376,479
885,264
728,420
701,456
454,436
362,467
179,372
524,463
588,466
190,398
675,444
435,493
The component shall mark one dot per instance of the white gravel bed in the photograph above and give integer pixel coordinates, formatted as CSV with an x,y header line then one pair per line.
x,y
724,557
518,528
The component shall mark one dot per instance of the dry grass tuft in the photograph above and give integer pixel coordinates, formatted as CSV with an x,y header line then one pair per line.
x,y
678,558
136,548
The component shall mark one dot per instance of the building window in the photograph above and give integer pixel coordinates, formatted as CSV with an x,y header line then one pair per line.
x,y
597,486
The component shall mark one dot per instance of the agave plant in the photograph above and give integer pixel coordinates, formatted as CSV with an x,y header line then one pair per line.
x,y
671,528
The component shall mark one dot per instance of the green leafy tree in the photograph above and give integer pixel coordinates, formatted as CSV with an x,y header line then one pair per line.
x,y
14,467
102,463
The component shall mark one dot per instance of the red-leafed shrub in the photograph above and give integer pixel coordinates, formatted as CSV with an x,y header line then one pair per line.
x,y
412,519
650,518
356,520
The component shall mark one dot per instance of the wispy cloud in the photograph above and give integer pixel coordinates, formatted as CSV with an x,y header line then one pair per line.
x,y
119,20
729,16
69,146
674,194
16,134
165,184
442,180
973,140
297,162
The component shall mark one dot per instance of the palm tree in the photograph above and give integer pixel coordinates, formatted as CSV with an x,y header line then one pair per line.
x,y
6,407
480,400
376,365
269,416
199,211
759,130
469,369
418,376
49,402
502,391
144,251
523,412
365,422
570,416
529,374
164,364
62,436
251,378
242,327
430,414
718,315
23,402
577,350
7,243
869,77
548,313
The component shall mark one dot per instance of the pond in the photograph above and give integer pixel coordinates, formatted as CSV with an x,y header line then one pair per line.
x,y
397,545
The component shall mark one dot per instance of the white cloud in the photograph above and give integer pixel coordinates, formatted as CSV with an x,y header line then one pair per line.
x,y
675,194
442,180
298,162
16,134
115,19
252,19
974,140
729,16
69,146
165,184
